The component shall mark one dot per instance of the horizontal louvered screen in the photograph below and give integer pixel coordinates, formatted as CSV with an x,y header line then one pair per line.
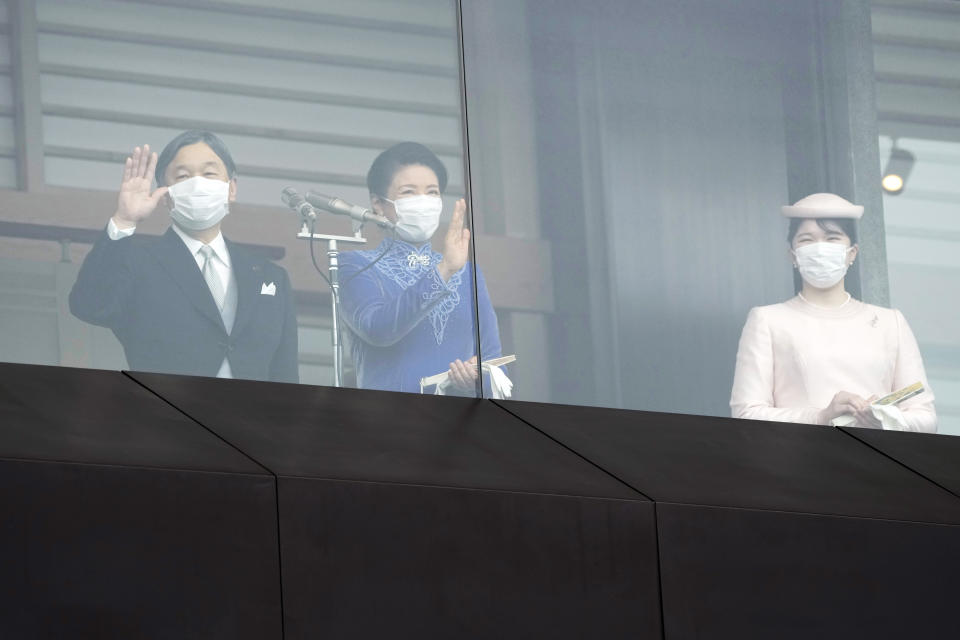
x,y
917,63
8,153
304,93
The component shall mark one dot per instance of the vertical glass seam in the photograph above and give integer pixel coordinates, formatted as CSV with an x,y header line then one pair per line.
x,y
467,185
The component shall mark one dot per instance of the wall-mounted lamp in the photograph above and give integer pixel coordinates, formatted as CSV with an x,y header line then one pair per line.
x,y
897,171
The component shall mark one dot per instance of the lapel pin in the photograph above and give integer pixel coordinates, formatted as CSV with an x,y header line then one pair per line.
x,y
268,289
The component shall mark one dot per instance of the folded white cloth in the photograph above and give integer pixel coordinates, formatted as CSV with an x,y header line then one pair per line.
x,y
500,385
890,417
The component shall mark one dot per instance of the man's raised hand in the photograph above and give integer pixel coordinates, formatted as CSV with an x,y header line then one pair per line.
x,y
135,201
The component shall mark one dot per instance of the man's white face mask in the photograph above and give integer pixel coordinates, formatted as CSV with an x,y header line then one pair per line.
x,y
822,264
199,203
417,217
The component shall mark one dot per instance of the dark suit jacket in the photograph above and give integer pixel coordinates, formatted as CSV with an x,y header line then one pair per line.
x,y
151,293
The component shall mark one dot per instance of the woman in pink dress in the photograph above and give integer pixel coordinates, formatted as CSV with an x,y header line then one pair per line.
x,y
822,355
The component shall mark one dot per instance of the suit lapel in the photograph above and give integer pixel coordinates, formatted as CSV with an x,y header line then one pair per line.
x,y
176,260
248,273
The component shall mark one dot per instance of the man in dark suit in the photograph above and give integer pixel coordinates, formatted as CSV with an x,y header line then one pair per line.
x,y
189,301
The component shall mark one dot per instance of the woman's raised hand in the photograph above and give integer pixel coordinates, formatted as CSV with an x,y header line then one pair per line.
x,y
456,244
135,201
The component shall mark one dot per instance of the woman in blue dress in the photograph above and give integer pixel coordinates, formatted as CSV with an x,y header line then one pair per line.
x,y
409,310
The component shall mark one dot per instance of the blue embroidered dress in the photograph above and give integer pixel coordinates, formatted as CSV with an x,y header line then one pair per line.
x,y
403,322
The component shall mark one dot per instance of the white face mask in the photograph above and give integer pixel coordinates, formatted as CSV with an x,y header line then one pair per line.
x,y
822,264
417,217
199,203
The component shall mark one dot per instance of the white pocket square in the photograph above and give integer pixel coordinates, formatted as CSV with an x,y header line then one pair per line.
x,y
268,289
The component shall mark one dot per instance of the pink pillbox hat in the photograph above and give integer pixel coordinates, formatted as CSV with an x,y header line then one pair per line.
x,y
823,205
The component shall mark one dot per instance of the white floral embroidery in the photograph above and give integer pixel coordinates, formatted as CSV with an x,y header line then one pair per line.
x,y
441,313
406,265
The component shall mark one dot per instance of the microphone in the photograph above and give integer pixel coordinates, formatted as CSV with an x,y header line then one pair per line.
x,y
296,202
344,208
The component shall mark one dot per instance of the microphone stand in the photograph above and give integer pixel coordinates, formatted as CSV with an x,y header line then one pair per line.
x,y
333,261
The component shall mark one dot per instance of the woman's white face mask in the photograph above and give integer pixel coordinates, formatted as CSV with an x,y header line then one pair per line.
x,y
417,217
822,264
199,203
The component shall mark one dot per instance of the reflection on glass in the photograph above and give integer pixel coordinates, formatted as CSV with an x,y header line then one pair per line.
x,y
410,308
189,301
622,186
824,357
304,95
922,238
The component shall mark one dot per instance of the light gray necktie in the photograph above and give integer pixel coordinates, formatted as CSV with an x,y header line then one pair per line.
x,y
210,275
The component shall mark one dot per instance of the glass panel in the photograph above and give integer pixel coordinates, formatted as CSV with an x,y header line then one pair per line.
x,y
301,95
923,246
629,162
918,89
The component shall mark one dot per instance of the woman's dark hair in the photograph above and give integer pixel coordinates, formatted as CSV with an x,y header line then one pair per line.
x,y
846,225
401,155
192,137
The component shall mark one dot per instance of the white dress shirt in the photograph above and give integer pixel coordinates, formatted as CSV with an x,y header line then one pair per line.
x,y
221,264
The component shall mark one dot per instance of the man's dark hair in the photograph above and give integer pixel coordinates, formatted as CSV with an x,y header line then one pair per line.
x,y
401,155
847,225
192,137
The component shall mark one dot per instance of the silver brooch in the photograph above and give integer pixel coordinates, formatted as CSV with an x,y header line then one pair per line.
x,y
416,259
